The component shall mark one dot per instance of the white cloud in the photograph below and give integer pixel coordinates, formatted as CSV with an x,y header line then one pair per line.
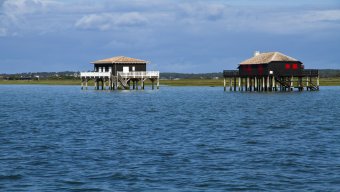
x,y
295,22
3,32
49,16
16,9
20,16
198,11
107,21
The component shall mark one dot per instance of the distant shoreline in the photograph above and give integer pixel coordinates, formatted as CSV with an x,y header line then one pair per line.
x,y
179,82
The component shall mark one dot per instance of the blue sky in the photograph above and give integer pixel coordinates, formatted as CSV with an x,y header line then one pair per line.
x,y
176,36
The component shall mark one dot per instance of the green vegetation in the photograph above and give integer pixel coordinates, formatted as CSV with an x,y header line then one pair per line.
x,y
180,82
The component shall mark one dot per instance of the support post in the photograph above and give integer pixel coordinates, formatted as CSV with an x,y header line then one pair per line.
x,y
292,83
239,84
242,84
158,83
86,83
250,83
267,83
263,86
307,82
255,89
224,84
234,83
247,86
142,84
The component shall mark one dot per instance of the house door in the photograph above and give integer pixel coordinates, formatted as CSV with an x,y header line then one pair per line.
x,y
125,69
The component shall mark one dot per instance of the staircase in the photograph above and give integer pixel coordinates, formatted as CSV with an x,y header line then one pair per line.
x,y
283,83
313,87
123,82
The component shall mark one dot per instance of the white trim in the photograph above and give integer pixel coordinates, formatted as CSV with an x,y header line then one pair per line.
x,y
95,74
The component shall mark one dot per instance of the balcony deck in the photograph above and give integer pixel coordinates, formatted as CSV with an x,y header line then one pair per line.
x,y
95,74
139,74
122,79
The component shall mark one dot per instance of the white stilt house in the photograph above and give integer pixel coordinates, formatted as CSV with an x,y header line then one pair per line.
x,y
120,72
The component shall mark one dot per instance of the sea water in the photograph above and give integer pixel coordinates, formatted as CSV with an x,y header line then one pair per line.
x,y
61,138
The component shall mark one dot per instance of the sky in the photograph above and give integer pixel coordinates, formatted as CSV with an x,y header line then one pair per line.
x,y
187,36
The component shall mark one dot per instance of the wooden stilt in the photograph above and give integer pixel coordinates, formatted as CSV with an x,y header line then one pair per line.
x,y
242,84
224,84
250,84
141,84
234,83
239,84
267,87
255,89
263,84
307,82
292,83
157,83
86,80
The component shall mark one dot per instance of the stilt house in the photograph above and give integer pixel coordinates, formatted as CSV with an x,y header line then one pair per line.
x,y
120,72
271,71
271,63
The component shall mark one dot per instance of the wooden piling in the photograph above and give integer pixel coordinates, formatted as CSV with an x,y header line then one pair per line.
x,y
239,84
157,83
86,80
224,84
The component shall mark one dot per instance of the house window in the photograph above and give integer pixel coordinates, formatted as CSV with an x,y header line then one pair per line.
x,y
295,66
287,66
133,68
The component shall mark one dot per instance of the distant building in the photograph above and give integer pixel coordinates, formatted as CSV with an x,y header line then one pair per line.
x,y
271,63
119,72
271,71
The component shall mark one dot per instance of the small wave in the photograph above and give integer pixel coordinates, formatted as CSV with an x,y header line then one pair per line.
x,y
11,177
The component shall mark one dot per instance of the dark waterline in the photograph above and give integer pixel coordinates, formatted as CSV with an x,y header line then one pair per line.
x,y
59,138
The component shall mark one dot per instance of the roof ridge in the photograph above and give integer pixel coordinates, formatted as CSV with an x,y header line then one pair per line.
x,y
274,55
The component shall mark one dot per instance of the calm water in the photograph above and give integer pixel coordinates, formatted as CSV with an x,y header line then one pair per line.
x,y
59,138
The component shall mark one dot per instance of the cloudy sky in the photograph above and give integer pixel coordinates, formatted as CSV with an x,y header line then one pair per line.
x,y
176,36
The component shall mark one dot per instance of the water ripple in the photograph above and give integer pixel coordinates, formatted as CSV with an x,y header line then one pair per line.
x,y
59,138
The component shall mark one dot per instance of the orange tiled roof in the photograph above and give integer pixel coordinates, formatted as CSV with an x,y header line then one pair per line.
x,y
264,58
120,59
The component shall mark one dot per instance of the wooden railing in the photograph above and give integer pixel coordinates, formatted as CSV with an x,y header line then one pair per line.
x,y
230,73
95,74
139,74
310,72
